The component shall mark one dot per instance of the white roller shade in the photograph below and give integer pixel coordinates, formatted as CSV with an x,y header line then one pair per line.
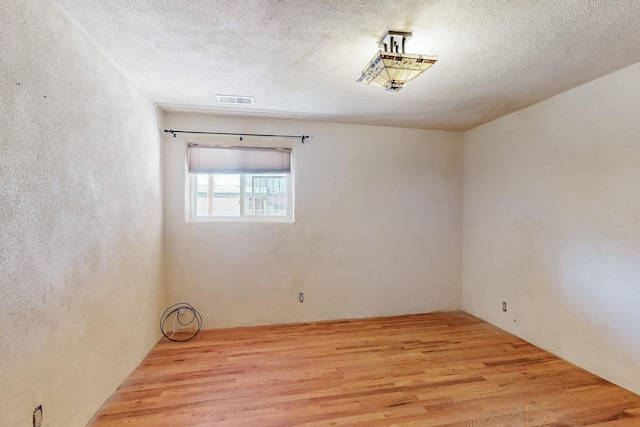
x,y
210,159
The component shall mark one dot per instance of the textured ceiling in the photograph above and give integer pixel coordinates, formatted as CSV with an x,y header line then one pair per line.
x,y
301,58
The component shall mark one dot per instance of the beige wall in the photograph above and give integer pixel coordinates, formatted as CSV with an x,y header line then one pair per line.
x,y
552,225
377,229
80,221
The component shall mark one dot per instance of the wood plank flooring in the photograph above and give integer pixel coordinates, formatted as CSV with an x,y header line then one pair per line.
x,y
438,369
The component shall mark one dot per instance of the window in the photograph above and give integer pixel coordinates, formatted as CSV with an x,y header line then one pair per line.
x,y
237,183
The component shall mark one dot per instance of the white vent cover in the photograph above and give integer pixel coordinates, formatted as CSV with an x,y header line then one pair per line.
x,y
233,99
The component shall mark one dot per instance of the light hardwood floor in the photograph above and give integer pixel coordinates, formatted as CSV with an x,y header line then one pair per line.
x,y
438,369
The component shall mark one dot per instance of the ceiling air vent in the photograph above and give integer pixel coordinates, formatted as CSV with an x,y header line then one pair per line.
x,y
232,99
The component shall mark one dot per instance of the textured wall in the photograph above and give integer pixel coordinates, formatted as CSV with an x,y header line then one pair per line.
x,y
377,229
80,220
552,225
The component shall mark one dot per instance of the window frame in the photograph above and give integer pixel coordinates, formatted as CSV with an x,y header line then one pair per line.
x,y
290,192
192,208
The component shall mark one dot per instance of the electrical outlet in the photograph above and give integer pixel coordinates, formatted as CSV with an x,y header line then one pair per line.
x,y
504,306
37,417
301,297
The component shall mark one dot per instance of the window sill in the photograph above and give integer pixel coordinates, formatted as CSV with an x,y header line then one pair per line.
x,y
253,220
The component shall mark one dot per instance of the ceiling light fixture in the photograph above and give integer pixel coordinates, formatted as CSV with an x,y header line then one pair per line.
x,y
391,68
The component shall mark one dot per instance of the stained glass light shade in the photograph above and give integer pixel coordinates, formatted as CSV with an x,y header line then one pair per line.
x,y
392,70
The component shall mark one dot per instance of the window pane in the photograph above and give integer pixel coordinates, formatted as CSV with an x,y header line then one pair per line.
x,y
217,195
202,195
241,195
265,195
226,195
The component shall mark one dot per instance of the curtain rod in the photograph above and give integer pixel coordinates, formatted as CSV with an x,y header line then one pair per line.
x,y
258,135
